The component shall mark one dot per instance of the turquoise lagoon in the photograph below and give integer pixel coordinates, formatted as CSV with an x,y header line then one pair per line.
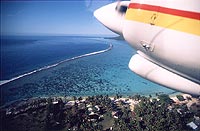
x,y
71,66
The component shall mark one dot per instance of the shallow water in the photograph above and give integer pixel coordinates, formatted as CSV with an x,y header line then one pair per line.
x,y
105,73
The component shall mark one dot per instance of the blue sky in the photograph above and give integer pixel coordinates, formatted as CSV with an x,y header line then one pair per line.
x,y
51,17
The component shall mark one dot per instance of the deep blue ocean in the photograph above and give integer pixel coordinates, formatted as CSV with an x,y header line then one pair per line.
x,y
43,66
23,54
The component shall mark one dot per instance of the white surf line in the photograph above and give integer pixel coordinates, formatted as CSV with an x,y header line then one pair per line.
x,y
54,65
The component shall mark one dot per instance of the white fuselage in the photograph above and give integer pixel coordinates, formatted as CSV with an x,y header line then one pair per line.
x,y
166,35
178,52
175,50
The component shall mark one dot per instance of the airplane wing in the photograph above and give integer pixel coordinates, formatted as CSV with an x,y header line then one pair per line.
x,y
168,54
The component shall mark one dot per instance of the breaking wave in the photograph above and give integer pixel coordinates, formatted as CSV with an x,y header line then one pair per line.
x,y
54,65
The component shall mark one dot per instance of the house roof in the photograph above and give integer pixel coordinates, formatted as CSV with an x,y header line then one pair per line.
x,y
192,125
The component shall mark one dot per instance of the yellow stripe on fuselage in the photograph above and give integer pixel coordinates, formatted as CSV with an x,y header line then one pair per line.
x,y
174,22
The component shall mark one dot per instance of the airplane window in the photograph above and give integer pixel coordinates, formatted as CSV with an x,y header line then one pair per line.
x,y
122,8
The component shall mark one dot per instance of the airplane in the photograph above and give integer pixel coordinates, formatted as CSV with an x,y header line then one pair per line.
x,y
166,36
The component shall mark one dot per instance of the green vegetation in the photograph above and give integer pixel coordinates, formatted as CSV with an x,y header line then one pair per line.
x,y
180,97
164,99
97,113
156,116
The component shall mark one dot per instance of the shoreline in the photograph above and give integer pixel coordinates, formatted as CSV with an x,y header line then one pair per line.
x,y
112,97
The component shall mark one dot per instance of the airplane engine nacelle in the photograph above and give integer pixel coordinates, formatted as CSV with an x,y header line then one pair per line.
x,y
166,35
157,74
112,15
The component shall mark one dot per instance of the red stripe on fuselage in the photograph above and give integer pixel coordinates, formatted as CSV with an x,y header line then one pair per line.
x,y
182,13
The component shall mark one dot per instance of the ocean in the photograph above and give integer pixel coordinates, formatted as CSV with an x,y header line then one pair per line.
x,y
50,66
